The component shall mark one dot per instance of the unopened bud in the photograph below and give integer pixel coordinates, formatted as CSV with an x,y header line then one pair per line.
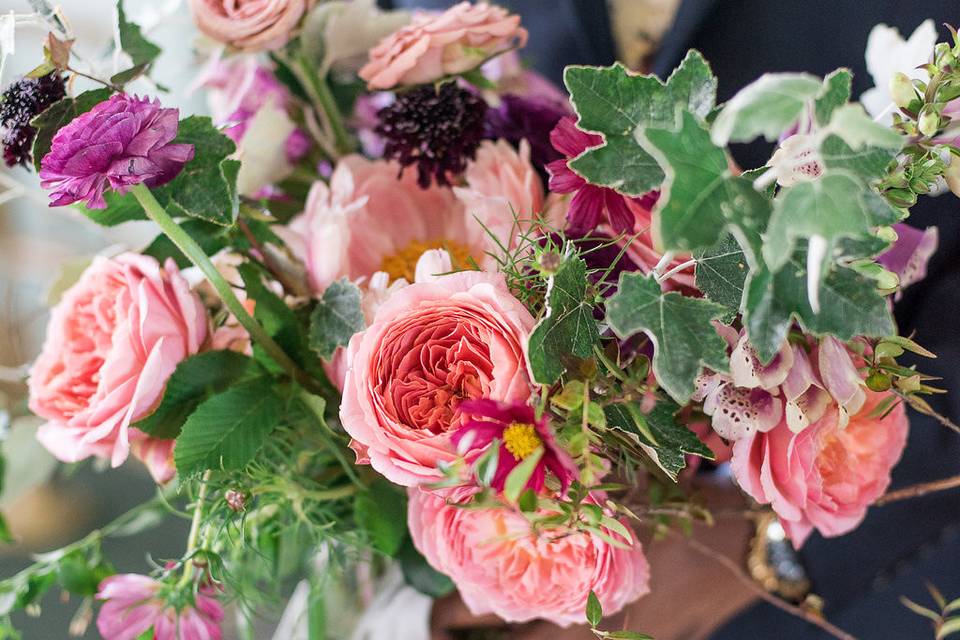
x,y
929,122
902,91
236,500
878,381
549,262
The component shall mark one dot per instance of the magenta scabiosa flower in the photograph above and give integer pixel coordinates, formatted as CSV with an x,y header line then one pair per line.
x,y
134,604
519,433
590,203
438,130
123,141
20,102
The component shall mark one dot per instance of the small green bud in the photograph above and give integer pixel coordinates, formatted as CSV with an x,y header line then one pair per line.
x,y
549,262
901,88
901,197
878,381
929,122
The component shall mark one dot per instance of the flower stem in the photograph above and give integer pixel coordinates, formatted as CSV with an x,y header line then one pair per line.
x,y
192,250
195,526
319,93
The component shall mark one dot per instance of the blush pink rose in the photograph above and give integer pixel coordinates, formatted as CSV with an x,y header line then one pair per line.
x,y
434,45
112,342
251,25
825,476
501,567
430,346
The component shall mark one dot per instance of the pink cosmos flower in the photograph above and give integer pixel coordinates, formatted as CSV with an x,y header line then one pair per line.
x,y
591,204
434,45
112,342
121,142
520,433
501,567
430,346
134,604
827,475
252,25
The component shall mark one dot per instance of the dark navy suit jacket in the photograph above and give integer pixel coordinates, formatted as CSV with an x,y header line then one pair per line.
x,y
900,546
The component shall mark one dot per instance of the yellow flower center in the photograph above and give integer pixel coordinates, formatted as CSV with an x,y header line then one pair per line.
x,y
403,264
521,439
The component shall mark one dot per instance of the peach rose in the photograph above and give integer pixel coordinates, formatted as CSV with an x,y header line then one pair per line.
x,y
825,476
252,25
500,567
434,45
112,342
429,346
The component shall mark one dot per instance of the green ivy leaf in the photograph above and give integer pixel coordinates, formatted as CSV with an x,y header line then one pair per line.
x,y
834,93
683,337
721,272
867,162
59,114
568,327
768,106
336,318
227,430
594,609
381,511
613,101
857,129
194,380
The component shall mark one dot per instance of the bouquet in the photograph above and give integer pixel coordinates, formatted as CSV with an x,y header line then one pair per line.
x,y
410,305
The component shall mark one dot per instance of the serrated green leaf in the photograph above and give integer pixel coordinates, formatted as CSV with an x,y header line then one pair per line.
x,y
768,106
594,609
680,328
195,379
721,273
834,93
59,114
227,430
381,511
336,317
620,164
518,477
568,328
140,50
119,209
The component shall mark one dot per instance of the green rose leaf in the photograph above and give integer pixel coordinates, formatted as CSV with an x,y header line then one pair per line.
x,y
721,272
227,430
58,115
594,609
336,318
614,102
568,327
211,238
142,52
381,511
768,106
683,337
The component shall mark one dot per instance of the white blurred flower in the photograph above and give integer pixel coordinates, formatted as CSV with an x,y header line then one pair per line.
x,y
887,54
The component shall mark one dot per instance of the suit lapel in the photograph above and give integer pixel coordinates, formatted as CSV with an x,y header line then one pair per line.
x,y
592,30
690,17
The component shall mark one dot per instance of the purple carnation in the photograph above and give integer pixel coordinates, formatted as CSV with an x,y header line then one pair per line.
x,y
122,141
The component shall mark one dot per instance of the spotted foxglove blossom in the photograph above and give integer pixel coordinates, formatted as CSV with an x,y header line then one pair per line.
x,y
887,54
134,604
910,253
796,160
123,141
519,433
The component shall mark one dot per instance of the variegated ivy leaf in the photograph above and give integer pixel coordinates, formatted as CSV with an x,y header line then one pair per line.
x,y
768,106
834,93
721,272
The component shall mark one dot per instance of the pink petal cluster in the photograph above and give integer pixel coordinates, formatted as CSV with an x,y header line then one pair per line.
x,y
430,346
112,342
826,476
121,142
134,604
501,567
434,45
252,25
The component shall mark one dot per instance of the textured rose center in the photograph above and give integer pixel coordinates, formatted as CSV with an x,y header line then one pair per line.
x,y
403,264
521,440
850,460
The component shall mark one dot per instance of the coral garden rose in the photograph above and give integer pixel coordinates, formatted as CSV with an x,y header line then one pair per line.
x,y
826,476
112,342
501,567
430,346
134,604
121,142
435,45
252,25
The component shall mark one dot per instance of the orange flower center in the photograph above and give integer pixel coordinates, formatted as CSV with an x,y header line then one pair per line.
x,y
403,264
521,439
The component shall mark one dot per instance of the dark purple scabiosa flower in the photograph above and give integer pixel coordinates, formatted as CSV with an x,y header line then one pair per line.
x,y
519,433
531,118
121,142
438,130
590,203
20,102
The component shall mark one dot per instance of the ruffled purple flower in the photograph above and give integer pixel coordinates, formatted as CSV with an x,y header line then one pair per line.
x,y
529,118
121,142
909,255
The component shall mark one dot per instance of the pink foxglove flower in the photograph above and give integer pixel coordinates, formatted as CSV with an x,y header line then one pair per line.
x,y
430,346
519,433
825,476
500,566
121,142
434,45
909,255
251,25
112,342
134,604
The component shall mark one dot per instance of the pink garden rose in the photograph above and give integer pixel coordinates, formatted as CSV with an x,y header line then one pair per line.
x,y
434,45
501,567
134,604
252,25
430,346
825,476
112,342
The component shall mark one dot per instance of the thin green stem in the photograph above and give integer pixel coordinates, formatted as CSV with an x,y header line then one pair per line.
x,y
195,526
322,99
192,250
